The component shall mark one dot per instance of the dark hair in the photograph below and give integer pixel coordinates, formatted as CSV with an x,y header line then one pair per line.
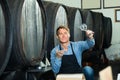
x,y
62,27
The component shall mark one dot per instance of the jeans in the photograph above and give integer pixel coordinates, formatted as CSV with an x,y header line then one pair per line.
x,y
88,72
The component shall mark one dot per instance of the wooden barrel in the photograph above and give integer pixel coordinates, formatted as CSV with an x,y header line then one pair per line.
x,y
74,22
98,29
93,57
29,30
55,16
107,32
5,35
87,18
94,21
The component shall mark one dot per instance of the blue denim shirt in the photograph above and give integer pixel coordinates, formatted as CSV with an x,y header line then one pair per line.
x,y
78,48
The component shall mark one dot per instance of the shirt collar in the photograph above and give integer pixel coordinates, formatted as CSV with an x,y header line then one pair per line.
x,y
69,46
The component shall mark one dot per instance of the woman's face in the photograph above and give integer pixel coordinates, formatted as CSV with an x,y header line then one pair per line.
x,y
63,35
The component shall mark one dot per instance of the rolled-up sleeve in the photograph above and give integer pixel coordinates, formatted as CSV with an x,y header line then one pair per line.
x,y
55,62
91,42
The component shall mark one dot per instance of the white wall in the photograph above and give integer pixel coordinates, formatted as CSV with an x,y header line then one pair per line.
x,y
114,49
72,3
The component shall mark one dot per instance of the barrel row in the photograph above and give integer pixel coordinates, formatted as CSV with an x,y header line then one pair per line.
x,y
22,34
27,30
73,18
